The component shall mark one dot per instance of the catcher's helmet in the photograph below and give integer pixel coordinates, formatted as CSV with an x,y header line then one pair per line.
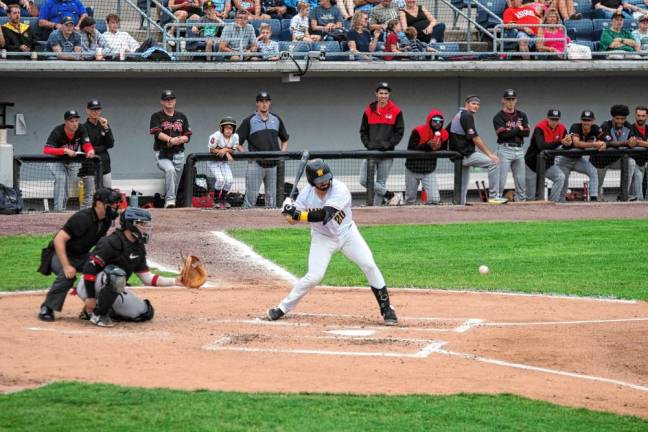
x,y
317,172
131,218
227,121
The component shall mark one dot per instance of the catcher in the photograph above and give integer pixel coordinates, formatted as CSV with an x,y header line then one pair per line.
x,y
117,256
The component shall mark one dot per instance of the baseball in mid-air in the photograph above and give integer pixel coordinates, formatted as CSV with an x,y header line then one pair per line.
x,y
484,269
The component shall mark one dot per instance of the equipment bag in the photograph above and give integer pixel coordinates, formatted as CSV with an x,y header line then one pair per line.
x,y
11,201
47,254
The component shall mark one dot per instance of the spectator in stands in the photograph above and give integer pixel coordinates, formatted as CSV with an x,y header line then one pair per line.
x,y
93,43
463,139
347,8
64,142
252,7
238,37
566,9
222,8
299,25
266,46
381,129
212,28
428,29
549,134
359,38
608,8
264,131
118,40
102,140
554,30
413,45
428,137
639,131
274,9
326,21
23,6
616,38
365,5
17,36
382,14
522,23
584,135
641,34
171,131
183,10
65,40
391,41
53,12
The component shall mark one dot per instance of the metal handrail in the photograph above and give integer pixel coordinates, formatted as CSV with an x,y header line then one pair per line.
x,y
499,30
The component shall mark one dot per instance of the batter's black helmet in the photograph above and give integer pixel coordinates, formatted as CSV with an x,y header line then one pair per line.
x,y
317,172
133,216
227,121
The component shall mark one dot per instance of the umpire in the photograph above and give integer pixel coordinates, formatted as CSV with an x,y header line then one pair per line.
x,y
68,252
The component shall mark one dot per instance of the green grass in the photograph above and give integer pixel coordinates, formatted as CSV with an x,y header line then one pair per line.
x,y
20,257
74,406
592,258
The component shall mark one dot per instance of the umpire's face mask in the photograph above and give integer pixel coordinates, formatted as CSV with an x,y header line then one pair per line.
x,y
112,212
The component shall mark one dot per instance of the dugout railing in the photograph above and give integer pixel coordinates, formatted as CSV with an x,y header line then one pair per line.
x,y
609,157
344,164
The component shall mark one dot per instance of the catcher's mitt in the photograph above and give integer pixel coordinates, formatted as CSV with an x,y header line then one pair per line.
x,y
193,273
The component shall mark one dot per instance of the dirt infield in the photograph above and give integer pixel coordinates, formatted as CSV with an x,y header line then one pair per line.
x,y
576,352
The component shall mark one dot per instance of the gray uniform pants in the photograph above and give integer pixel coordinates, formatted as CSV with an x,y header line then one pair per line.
x,y
172,169
89,188
637,181
581,165
383,167
254,175
479,159
59,289
513,158
429,182
554,174
127,305
65,175
634,188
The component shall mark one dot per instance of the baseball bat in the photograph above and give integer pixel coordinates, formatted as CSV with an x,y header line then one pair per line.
x,y
486,191
300,171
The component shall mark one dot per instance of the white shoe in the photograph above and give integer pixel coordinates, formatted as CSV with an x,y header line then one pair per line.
x,y
170,204
102,320
497,201
396,200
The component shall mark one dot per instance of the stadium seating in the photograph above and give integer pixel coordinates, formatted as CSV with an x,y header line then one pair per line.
x,y
298,49
275,25
584,7
446,47
329,47
101,25
599,25
580,29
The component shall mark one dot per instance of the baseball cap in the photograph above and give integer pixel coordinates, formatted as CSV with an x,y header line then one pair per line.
x,y
263,96
94,104
617,15
67,20
383,86
510,94
168,94
70,114
643,18
208,4
587,115
553,114
472,98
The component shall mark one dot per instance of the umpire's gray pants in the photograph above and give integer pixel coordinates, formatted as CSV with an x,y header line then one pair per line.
x,y
429,182
56,295
127,305
513,158
172,169
383,167
634,188
554,174
479,159
64,177
254,175
581,165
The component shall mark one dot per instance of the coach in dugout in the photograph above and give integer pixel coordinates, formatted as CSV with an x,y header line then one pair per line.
x,y
68,252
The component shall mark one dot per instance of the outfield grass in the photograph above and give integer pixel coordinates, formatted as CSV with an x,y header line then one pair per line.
x,y
75,406
592,258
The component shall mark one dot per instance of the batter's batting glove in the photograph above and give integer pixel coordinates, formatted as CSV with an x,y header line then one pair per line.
x,y
291,211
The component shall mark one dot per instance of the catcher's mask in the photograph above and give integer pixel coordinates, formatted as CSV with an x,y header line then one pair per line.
x,y
137,221
227,121
318,174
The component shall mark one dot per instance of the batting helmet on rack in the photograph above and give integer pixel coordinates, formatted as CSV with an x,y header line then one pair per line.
x,y
318,172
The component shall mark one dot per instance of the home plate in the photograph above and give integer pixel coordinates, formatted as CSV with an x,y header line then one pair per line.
x,y
352,332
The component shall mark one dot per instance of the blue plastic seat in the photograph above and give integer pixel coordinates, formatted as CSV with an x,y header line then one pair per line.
x,y
497,7
275,25
329,47
285,24
299,49
583,7
101,25
451,48
599,25
580,29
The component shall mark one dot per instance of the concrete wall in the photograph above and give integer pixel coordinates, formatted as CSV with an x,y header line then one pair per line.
x,y
320,113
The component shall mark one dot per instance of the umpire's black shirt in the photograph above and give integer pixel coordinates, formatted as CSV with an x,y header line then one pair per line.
x,y
85,229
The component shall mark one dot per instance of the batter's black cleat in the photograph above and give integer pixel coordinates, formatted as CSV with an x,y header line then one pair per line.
x,y
273,314
389,314
102,320
46,314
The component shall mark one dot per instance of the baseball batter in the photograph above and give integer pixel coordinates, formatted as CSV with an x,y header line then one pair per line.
x,y
326,204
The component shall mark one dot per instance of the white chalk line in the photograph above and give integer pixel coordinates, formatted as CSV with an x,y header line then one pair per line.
x,y
104,332
400,318
468,325
541,369
533,323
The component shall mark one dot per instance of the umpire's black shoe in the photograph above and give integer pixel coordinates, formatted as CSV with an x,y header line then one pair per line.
x,y
389,314
273,314
46,314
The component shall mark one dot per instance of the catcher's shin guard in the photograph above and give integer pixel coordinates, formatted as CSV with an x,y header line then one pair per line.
x,y
386,309
114,285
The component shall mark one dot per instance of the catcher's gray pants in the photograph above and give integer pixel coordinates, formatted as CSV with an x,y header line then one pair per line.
x,y
65,175
429,182
383,167
581,165
554,174
172,169
634,188
479,159
59,289
127,305
513,158
322,248
254,175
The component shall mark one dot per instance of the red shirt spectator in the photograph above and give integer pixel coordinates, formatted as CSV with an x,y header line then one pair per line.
x,y
523,15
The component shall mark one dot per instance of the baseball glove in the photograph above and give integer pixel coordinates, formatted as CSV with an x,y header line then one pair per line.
x,y
193,273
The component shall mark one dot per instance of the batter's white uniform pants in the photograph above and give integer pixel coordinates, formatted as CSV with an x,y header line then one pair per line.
x,y
128,304
223,175
322,248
